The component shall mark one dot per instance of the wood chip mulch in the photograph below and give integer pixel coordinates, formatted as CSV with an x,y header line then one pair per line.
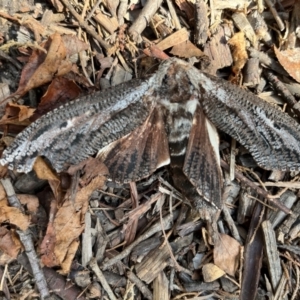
x,y
86,238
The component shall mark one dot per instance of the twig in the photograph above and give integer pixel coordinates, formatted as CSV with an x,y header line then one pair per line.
x,y
3,277
143,19
95,6
173,14
25,238
166,242
296,289
140,284
167,223
85,25
102,279
275,15
260,191
282,89
201,22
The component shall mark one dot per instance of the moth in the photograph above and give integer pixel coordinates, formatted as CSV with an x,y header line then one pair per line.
x,y
170,118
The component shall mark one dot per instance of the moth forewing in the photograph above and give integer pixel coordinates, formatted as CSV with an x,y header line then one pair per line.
x,y
72,132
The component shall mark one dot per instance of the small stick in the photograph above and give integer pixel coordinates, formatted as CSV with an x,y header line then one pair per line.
x,y
85,25
282,89
260,191
174,15
140,285
143,19
102,279
25,238
167,223
275,15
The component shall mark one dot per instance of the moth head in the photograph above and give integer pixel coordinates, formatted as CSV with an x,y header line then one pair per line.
x,y
176,81
175,88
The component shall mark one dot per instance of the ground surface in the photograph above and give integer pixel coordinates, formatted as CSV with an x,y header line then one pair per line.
x,y
102,240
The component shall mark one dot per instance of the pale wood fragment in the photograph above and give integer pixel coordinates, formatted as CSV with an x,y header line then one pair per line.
x,y
243,24
218,52
232,4
86,244
201,20
176,38
252,72
174,15
276,217
272,254
161,287
150,267
109,24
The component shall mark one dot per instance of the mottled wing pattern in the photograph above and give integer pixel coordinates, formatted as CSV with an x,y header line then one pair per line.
x,y
202,160
271,136
71,133
140,153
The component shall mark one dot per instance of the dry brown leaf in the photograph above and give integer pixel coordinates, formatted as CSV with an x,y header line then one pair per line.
x,y
67,227
226,254
31,202
186,49
43,171
211,272
48,68
73,44
239,52
17,114
290,60
41,67
93,167
60,91
8,243
13,215
66,264
5,258
47,247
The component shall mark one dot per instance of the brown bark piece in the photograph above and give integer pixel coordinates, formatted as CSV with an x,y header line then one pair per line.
x,y
218,51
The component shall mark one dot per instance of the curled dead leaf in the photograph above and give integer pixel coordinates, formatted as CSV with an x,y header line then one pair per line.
x,y
211,272
290,60
13,215
226,254
43,171
9,243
